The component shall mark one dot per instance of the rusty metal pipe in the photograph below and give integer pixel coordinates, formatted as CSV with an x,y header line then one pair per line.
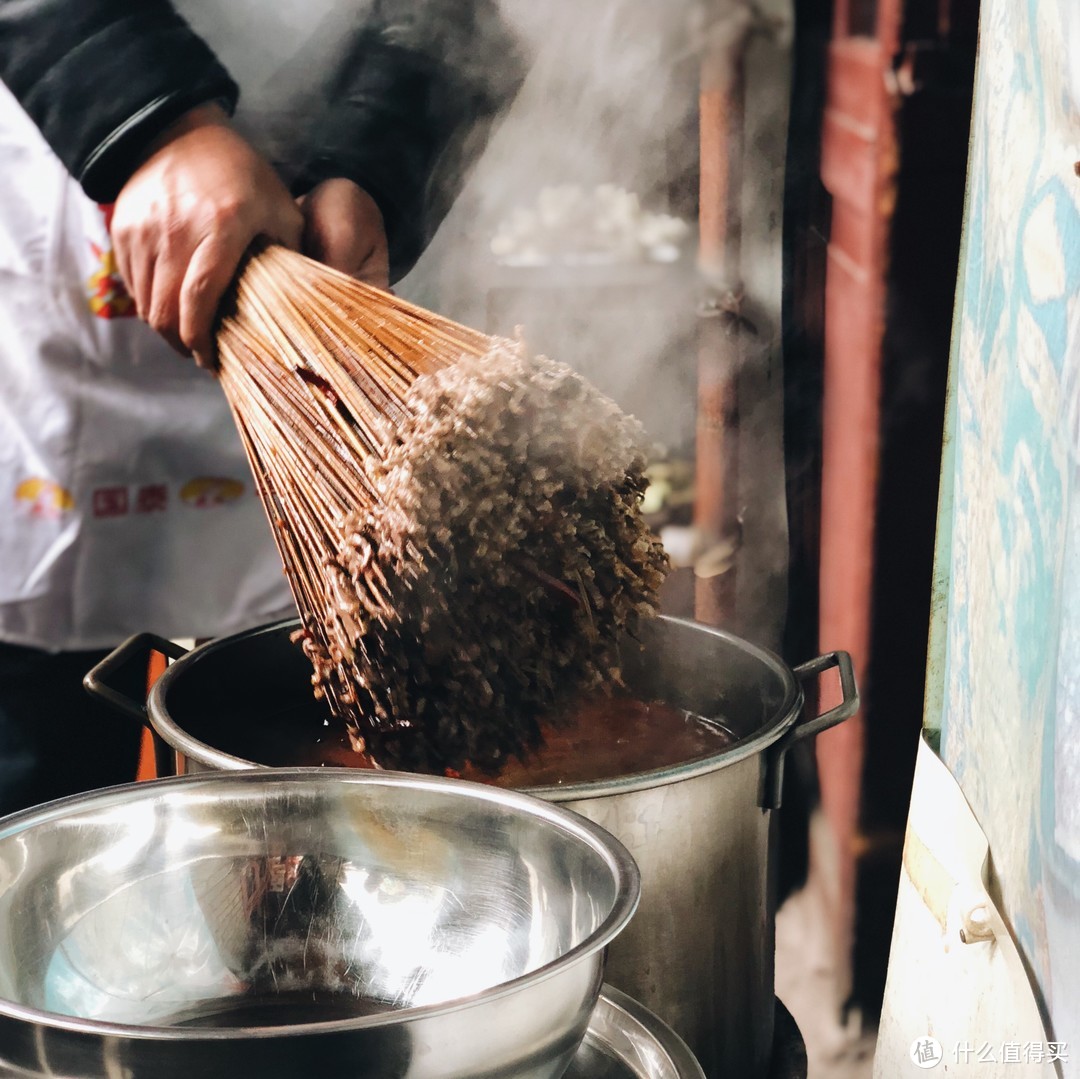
x,y
722,331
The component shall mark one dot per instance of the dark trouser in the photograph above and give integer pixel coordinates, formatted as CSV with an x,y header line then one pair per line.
x,y
55,739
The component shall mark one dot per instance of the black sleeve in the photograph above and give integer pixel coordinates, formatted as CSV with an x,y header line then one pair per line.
x,y
417,99
102,78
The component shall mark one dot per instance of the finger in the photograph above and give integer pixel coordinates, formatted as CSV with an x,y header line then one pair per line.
x,y
375,270
342,227
312,240
287,226
325,243
139,282
346,244
122,254
134,266
209,272
161,309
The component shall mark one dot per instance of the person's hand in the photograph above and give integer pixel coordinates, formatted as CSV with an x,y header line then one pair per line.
x,y
186,216
344,229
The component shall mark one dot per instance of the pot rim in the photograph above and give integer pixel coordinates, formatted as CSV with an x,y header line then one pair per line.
x,y
771,731
624,872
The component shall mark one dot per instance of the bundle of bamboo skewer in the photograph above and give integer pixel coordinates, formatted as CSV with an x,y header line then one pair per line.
x,y
459,521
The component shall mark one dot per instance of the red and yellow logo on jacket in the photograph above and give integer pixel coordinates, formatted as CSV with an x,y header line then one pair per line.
x,y
206,491
108,295
43,497
107,292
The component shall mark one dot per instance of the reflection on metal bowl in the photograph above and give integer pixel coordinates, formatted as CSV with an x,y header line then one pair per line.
x,y
269,923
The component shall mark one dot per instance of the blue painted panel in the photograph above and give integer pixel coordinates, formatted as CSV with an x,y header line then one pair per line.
x,y
1004,673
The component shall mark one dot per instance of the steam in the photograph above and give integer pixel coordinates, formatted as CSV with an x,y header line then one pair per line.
x,y
611,98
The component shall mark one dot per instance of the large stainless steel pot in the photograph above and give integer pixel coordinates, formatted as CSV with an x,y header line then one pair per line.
x,y
338,923
700,951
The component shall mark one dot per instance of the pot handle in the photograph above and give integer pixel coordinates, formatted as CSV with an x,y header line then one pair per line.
x,y
120,678
808,726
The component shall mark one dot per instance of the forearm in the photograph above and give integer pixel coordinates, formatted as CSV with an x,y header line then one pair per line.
x,y
103,78
413,110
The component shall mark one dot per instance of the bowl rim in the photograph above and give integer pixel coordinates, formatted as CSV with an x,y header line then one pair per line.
x,y
619,1018
624,869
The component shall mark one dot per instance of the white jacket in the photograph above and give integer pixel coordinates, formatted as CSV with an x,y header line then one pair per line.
x,y
127,501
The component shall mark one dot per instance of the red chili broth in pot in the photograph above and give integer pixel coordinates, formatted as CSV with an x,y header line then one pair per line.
x,y
602,738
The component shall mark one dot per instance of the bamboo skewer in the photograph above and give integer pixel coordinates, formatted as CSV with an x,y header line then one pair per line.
x,y
459,522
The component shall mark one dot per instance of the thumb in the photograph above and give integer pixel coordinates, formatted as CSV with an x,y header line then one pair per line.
x,y
287,227
343,227
331,240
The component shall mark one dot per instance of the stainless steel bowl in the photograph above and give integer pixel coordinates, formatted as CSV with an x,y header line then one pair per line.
x,y
308,922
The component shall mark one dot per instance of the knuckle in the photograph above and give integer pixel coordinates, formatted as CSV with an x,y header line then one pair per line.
x,y
196,287
121,228
157,319
125,236
167,230
226,212
159,315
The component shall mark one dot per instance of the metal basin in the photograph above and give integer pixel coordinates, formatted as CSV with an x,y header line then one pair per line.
x,y
303,922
